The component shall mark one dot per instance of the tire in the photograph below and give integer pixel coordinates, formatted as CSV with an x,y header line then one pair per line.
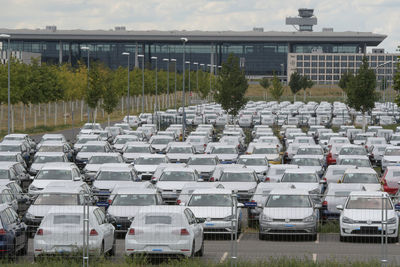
x,y
200,253
113,249
193,252
261,236
13,254
342,239
313,237
393,239
24,250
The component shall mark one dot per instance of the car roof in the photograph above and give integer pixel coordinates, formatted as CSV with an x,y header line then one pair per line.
x,y
163,209
58,166
54,154
178,168
8,153
345,187
105,154
136,190
146,156
353,157
204,156
283,166
16,135
61,189
236,170
253,156
11,142
306,156
6,164
207,191
69,209
360,170
332,167
300,170
95,143
289,191
137,143
52,143
368,193
116,167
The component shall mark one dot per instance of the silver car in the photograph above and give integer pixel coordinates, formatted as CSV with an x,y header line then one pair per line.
x,y
289,212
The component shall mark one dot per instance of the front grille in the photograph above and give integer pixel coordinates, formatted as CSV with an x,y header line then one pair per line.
x,y
367,230
289,220
288,231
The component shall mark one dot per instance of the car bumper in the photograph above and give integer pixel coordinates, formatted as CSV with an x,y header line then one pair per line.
x,y
169,197
122,225
218,227
289,228
367,230
182,247
390,190
145,176
44,247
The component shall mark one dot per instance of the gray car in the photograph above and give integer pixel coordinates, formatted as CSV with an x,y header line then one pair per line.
x,y
289,212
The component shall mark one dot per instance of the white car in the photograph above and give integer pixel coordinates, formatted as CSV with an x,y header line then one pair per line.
x,y
335,172
61,232
276,171
133,120
133,150
215,207
178,152
258,163
199,143
146,165
242,180
120,141
227,154
391,157
164,230
204,165
363,215
367,177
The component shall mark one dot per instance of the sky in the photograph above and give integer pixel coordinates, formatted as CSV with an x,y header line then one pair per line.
x,y
377,16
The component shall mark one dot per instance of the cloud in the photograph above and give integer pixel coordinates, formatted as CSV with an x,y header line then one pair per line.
x,y
379,16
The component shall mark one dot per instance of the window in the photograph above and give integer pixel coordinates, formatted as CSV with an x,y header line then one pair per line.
x,y
299,64
306,57
306,64
314,57
343,57
321,57
12,217
189,215
321,71
314,64
343,64
313,70
321,64
4,218
299,57
155,219
328,64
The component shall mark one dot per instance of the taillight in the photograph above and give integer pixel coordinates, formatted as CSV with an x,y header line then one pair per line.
x,y
39,231
325,203
178,201
109,202
2,232
286,153
205,145
131,231
267,179
325,179
184,231
93,232
329,155
212,179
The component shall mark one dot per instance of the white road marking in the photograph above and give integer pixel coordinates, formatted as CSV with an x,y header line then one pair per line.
x,y
240,237
314,257
317,240
223,257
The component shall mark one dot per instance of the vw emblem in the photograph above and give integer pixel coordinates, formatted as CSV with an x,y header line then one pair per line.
x,y
287,220
208,219
369,222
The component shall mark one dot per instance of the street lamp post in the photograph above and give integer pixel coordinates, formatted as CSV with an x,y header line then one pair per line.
x,y
88,70
188,62
174,60
197,75
184,40
167,60
7,36
142,56
209,65
129,99
156,105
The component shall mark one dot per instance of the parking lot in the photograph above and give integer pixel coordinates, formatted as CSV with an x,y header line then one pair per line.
x,y
277,176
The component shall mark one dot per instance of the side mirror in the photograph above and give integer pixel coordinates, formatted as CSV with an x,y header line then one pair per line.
x,y
200,220
240,205
339,207
77,178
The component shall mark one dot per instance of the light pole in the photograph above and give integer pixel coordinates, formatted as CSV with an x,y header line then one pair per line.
x,y
209,65
88,70
184,41
197,75
167,60
156,105
174,60
7,36
129,99
188,62
142,56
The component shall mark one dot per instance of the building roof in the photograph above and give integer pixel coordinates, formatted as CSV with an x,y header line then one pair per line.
x,y
371,39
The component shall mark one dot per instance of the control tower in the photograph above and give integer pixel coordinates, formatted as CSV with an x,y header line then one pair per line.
x,y
305,20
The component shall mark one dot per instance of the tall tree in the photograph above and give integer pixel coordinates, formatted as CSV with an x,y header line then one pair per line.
x,y
277,88
110,96
360,89
265,84
306,83
344,80
396,80
295,84
231,86
97,76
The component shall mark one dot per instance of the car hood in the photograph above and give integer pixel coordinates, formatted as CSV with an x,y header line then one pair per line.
x,y
134,155
203,168
258,169
42,210
123,211
36,166
85,155
44,183
392,158
272,156
159,147
211,212
92,167
118,146
243,186
367,214
178,156
305,186
110,185
145,168
178,185
287,213
223,157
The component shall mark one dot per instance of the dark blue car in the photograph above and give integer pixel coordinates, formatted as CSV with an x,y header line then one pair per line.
x,y
13,233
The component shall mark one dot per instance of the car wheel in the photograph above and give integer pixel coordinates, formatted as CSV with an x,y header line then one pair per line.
x,y
24,250
200,253
13,254
393,239
342,239
313,237
261,236
113,249
193,252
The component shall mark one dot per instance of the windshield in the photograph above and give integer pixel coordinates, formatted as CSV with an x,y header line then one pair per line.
x,y
253,161
104,159
137,149
215,200
157,219
8,158
114,176
360,178
150,161
265,150
95,148
224,150
353,151
177,176
160,141
395,138
84,140
10,148
356,162
288,201
360,137
300,178
306,162
392,152
181,150
4,174
67,219
237,177
57,199
46,159
367,203
202,161
54,175
135,200
122,141
45,148
310,151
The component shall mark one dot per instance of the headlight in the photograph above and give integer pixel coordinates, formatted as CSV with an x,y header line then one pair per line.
x,y
228,218
392,220
29,216
266,218
309,219
347,220
251,191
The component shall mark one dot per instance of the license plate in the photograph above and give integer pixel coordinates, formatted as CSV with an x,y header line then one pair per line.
x,y
157,249
289,225
210,224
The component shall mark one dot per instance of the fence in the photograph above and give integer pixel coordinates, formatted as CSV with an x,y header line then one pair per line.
x,y
83,226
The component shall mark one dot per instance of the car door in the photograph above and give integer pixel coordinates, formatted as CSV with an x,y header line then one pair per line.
x,y
194,227
16,226
106,228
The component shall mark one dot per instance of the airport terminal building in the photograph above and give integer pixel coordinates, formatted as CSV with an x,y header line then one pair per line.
x,y
261,53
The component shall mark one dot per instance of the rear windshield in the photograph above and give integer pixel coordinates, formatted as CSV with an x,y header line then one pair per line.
x,y
158,219
67,219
